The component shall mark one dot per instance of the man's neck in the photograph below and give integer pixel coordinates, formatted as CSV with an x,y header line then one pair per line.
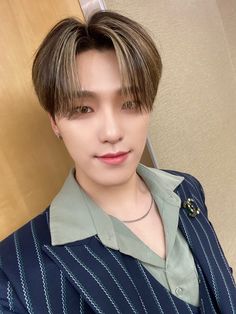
x,y
121,201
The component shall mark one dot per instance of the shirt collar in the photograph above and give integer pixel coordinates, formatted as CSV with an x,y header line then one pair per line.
x,y
73,213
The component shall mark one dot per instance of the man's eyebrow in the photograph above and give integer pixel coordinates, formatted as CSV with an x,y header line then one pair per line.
x,y
84,93
87,93
126,90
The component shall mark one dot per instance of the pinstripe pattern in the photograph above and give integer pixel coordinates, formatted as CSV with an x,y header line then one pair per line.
x,y
217,264
128,275
150,288
207,291
77,283
114,278
81,305
172,302
10,296
184,230
86,277
168,301
203,250
63,293
203,307
196,188
189,308
22,276
96,279
208,263
199,269
216,261
42,268
222,255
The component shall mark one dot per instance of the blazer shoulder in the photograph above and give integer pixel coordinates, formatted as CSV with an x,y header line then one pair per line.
x,y
24,239
186,175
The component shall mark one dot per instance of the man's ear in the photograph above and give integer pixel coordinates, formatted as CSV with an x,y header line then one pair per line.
x,y
54,125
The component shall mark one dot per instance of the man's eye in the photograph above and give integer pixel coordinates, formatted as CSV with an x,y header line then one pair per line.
x,y
78,111
83,109
130,104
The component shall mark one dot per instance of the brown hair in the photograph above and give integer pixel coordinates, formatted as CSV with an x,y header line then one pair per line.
x,y
54,67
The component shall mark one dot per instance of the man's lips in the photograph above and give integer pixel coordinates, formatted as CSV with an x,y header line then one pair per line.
x,y
114,158
113,155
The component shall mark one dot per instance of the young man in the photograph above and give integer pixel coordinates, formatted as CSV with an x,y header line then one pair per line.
x,y
119,237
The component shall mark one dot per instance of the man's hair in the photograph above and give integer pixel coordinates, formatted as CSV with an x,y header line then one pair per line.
x,y
54,70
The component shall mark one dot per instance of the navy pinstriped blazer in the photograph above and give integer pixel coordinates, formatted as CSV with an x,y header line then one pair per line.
x,y
87,277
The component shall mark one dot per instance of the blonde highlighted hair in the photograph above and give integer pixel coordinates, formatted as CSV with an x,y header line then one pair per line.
x,y
54,71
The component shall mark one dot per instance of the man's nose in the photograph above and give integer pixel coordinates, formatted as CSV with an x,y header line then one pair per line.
x,y
111,130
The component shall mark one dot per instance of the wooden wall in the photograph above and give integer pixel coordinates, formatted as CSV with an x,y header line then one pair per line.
x,y
33,163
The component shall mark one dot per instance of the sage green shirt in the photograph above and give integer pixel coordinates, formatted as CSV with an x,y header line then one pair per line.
x,y
74,216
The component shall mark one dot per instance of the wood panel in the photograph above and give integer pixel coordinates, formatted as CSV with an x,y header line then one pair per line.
x,y
33,163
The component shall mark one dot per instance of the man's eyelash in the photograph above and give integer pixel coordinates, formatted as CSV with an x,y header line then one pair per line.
x,y
82,109
79,110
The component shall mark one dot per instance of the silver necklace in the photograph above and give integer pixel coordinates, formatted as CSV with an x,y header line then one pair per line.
x,y
127,221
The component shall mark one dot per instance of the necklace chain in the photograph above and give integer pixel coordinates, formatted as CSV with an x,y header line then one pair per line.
x,y
127,221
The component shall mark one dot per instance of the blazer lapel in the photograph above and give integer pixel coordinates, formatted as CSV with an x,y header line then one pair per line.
x,y
209,259
97,273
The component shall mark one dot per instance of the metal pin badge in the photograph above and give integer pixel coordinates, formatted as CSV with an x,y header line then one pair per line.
x,y
192,208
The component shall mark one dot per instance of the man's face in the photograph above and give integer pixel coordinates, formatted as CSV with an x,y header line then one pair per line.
x,y
106,135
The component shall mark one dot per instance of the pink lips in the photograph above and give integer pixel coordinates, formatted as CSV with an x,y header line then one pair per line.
x,y
114,159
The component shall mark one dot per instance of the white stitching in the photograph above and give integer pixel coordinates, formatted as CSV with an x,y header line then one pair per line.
x,y
113,277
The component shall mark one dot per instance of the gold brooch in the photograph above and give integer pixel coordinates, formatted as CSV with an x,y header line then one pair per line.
x,y
192,208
